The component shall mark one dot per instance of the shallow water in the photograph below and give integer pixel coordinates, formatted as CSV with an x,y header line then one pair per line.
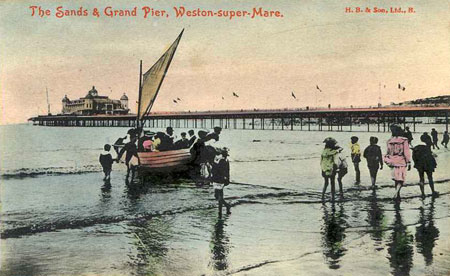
x,y
59,219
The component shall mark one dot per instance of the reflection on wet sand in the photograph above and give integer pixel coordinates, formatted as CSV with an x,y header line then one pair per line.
x,y
376,218
150,239
219,246
400,246
426,233
333,234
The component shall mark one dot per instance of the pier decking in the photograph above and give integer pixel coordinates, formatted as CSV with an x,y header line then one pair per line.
x,y
331,119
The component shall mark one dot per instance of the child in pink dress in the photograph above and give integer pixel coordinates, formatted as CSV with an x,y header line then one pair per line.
x,y
398,158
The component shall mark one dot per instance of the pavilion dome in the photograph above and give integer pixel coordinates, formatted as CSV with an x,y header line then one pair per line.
x,y
124,97
93,92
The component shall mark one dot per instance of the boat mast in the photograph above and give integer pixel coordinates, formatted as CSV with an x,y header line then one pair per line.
x,y
140,92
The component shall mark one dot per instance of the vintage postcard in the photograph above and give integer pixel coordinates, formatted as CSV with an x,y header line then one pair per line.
x,y
213,137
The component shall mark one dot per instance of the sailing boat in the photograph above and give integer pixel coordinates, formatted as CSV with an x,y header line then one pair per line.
x,y
149,85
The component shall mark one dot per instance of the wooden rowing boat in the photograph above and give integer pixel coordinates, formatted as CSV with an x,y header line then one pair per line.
x,y
165,161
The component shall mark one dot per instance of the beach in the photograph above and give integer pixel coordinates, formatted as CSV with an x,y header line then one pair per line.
x,y
58,218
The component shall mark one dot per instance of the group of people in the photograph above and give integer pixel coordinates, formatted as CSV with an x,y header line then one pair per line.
x,y
209,163
398,157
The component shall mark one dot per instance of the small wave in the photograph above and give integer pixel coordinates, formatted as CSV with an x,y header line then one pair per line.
x,y
277,159
33,172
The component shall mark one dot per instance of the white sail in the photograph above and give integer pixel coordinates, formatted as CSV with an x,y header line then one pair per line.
x,y
153,79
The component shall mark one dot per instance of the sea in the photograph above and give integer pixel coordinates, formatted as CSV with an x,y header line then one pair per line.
x,y
58,218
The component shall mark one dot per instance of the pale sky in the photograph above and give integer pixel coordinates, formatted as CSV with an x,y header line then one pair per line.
x,y
263,59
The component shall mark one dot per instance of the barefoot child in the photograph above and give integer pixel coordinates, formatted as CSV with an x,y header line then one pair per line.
x,y
342,168
374,159
356,156
424,162
328,164
221,177
106,161
398,158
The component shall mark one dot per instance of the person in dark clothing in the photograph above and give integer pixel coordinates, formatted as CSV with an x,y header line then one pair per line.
x,y
374,159
131,152
408,135
214,135
192,137
106,161
342,168
220,176
424,162
434,135
118,144
166,140
183,143
427,139
200,166
445,139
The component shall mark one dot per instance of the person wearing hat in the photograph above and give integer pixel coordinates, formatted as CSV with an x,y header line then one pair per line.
x,y
192,137
166,139
425,163
200,166
214,135
220,177
398,158
356,156
183,143
328,164
434,135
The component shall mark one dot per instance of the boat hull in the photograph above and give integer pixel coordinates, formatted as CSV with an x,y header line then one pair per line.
x,y
165,161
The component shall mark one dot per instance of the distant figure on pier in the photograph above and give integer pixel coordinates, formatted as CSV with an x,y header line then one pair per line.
x,y
106,161
409,136
398,158
374,159
445,139
220,177
183,143
192,137
427,139
328,164
434,135
356,156
424,162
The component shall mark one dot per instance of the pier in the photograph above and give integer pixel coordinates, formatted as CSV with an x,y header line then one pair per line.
x,y
331,119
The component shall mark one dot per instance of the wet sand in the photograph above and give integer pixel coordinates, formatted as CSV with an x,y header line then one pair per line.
x,y
63,222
